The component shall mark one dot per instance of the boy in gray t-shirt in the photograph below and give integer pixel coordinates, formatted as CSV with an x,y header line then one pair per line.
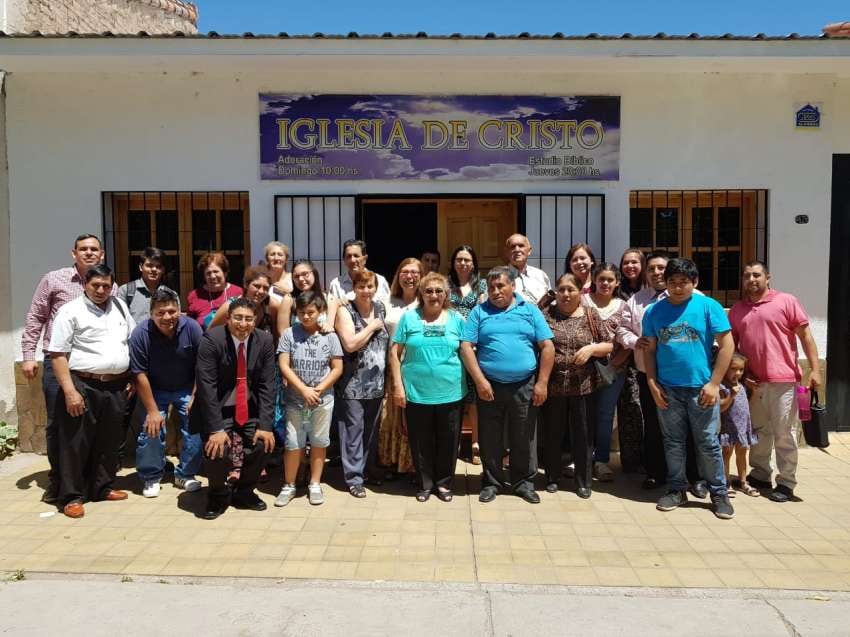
x,y
310,363
310,356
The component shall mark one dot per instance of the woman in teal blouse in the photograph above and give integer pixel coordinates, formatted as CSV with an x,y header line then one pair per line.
x,y
430,384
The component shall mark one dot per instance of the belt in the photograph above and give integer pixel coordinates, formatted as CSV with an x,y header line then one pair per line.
x,y
103,378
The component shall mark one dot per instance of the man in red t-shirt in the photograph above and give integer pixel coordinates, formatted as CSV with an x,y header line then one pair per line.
x,y
765,326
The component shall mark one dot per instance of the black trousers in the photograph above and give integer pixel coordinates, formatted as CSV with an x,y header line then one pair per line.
x,y
434,435
50,387
217,469
654,460
88,444
579,415
512,402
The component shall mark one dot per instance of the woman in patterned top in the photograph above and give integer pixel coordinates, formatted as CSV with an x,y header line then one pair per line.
x,y
467,289
360,391
573,382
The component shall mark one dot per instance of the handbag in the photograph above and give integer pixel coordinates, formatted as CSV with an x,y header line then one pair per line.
x,y
604,369
815,430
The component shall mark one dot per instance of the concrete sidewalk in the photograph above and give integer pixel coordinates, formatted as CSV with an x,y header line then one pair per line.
x,y
616,538
95,606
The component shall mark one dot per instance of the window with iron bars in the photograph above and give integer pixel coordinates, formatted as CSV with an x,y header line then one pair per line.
x,y
720,230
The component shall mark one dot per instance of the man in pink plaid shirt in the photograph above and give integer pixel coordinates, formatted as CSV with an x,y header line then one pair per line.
x,y
54,290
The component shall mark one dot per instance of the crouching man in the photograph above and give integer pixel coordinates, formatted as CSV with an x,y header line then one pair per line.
x,y
163,349
234,408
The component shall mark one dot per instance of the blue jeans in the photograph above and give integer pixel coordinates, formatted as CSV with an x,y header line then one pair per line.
x,y
150,452
683,415
606,405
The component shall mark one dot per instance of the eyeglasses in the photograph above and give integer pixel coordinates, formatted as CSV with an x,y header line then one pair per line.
x,y
243,319
433,291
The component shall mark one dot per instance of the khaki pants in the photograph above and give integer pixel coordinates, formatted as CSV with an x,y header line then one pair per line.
x,y
773,408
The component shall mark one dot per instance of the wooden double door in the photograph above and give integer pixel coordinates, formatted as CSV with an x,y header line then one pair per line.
x,y
399,228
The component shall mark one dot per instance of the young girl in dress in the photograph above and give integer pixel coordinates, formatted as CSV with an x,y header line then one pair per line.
x,y
736,428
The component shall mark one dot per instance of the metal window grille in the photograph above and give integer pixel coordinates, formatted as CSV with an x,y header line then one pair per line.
x,y
553,223
720,230
315,227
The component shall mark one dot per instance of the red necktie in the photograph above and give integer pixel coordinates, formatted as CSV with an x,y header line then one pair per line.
x,y
241,387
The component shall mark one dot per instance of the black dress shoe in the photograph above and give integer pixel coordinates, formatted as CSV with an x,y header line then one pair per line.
x,y
248,500
488,494
216,505
650,483
781,494
529,495
759,484
699,490
583,492
552,487
50,496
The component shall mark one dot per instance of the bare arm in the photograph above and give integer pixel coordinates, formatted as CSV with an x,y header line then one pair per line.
x,y
394,359
220,317
284,314
154,420
333,375
74,402
655,389
482,385
547,359
726,401
354,341
810,349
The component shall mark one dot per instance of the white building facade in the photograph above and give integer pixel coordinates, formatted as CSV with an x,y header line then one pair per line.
x,y
100,128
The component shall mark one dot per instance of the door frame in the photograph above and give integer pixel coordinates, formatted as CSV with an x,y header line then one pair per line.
x,y
838,307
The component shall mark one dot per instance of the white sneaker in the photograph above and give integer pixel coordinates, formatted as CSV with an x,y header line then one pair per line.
x,y
151,489
314,493
602,472
285,496
570,470
189,484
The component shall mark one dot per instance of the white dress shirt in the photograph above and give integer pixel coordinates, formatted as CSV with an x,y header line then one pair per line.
x,y
532,284
95,339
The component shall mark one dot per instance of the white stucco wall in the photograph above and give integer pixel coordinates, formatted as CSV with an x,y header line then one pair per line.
x,y
72,136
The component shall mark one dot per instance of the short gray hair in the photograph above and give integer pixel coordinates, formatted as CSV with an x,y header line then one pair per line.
x,y
502,270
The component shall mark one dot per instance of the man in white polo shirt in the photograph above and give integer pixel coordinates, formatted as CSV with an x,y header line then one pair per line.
x,y
91,360
354,256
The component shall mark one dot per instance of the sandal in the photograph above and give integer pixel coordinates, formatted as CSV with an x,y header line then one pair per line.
x,y
749,490
445,495
422,496
357,491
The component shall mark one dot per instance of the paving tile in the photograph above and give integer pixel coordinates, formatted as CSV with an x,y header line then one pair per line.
x,y
698,578
576,575
616,576
659,577
739,578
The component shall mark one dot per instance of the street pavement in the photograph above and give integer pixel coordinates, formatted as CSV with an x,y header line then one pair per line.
x,y
98,606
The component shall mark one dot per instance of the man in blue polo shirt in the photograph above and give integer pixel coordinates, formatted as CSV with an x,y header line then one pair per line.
x,y
162,358
508,333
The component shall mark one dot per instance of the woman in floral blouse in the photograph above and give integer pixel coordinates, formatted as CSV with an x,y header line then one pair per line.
x,y
580,336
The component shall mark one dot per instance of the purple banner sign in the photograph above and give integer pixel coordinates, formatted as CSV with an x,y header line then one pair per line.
x,y
457,137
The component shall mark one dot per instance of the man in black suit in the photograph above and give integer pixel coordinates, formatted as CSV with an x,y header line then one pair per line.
x,y
234,408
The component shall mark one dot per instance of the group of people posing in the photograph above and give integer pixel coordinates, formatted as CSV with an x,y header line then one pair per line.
x,y
392,370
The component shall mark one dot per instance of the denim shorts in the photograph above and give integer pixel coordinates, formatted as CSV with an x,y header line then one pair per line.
x,y
313,423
